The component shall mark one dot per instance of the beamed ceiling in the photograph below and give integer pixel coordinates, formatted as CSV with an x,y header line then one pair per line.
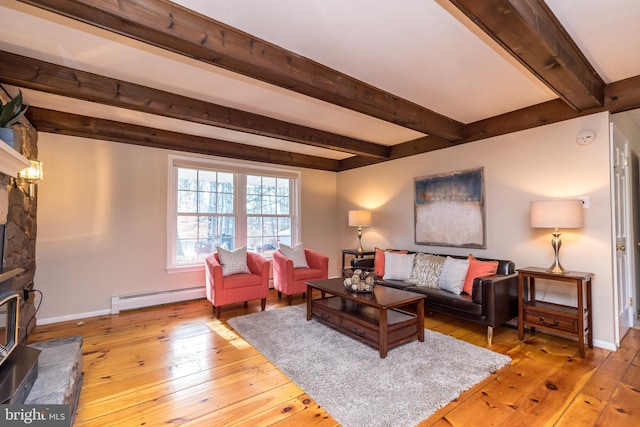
x,y
324,84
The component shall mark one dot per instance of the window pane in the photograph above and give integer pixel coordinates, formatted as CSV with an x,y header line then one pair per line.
x,y
254,204
283,187
254,226
282,206
187,179
206,202
187,201
254,184
207,181
225,182
187,227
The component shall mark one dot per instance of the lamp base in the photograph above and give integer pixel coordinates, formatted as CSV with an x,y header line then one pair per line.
x,y
359,249
556,267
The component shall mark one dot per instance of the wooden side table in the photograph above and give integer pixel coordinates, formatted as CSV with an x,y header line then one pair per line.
x,y
355,254
565,319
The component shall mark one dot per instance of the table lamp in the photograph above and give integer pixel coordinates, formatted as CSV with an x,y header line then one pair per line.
x,y
556,214
359,218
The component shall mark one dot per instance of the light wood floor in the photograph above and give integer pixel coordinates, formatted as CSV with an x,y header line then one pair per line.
x,y
165,366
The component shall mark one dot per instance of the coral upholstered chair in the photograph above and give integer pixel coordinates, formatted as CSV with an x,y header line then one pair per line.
x,y
290,280
241,287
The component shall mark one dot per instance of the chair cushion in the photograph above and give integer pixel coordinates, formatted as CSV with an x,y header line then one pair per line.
x,y
241,280
233,262
306,274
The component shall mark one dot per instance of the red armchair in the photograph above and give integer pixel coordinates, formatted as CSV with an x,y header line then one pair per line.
x,y
289,280
242,287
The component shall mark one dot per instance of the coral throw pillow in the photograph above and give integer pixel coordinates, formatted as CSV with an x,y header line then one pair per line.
x,y
478,269
378,261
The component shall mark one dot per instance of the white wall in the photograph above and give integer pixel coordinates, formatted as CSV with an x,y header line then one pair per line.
x,y
102,221
535,164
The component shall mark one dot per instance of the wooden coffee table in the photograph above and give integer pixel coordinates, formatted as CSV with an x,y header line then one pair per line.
x,y
373,318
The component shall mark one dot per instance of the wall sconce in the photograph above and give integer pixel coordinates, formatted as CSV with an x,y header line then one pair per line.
x,y
30,176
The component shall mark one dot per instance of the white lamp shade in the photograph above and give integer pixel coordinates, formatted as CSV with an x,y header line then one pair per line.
x,y
359,218
556,214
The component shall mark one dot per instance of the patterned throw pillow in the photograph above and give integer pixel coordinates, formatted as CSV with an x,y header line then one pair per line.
x,y
454,272
426,270
295,254
398,266
233,262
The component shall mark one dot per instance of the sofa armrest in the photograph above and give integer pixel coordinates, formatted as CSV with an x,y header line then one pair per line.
x,y
317,260
499,296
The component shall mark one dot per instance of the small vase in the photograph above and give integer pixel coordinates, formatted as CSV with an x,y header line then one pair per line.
x,y
7,135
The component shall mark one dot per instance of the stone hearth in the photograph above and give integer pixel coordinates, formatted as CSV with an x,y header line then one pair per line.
x,y
59,373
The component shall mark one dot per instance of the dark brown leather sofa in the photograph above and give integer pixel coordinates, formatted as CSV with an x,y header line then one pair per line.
x,y
493,301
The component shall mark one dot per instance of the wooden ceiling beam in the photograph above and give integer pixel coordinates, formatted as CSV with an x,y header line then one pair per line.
x,y
405,149
177,29
62,123
47,77
620,96
528,30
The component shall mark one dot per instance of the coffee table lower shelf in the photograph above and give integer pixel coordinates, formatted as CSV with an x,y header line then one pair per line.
x,y
363,322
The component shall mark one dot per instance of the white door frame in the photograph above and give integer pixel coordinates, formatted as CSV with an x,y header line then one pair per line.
x,y
622,234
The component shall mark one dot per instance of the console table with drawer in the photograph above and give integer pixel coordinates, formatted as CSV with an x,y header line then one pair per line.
x,y
565,319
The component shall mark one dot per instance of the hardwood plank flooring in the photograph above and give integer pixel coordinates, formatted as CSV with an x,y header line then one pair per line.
x,y
178,365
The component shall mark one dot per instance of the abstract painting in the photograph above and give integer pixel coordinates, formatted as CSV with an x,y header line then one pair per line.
x,y
449,209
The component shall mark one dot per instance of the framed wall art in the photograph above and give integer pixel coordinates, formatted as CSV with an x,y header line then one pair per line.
x,y
449,209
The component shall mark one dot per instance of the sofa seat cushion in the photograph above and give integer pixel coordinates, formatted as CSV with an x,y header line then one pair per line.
x,y
441,297
241,280
306,274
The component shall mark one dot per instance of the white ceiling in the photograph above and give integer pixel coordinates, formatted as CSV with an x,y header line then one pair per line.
x,y
424,51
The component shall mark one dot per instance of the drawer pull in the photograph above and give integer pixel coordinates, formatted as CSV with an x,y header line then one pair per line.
x,y
555,322
325,316
358,333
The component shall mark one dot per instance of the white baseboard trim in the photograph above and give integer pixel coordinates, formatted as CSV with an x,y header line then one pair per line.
x,y
130,302
77,316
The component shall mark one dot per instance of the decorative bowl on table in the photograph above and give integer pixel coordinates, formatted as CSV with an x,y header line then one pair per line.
x,y
360,281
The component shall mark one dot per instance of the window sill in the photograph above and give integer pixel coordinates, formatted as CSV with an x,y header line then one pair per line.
x,y
185,269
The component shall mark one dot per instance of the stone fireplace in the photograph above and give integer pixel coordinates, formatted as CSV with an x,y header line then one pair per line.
x,y
18,213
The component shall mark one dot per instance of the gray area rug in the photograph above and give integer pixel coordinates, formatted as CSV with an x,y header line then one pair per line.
x,y
349,379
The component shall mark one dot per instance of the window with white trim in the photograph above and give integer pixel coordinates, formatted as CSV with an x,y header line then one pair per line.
x,y
211,204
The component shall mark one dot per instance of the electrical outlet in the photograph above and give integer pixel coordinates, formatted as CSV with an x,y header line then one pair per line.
x,y
585,201
28,295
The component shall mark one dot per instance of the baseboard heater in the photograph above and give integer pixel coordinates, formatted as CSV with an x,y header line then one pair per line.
x,y
130,302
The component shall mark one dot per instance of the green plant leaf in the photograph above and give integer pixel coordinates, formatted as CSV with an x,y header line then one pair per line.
x,y
12,111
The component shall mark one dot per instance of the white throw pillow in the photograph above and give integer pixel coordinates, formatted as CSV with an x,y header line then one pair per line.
x,y
454,272
398,266
233,262
295,254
